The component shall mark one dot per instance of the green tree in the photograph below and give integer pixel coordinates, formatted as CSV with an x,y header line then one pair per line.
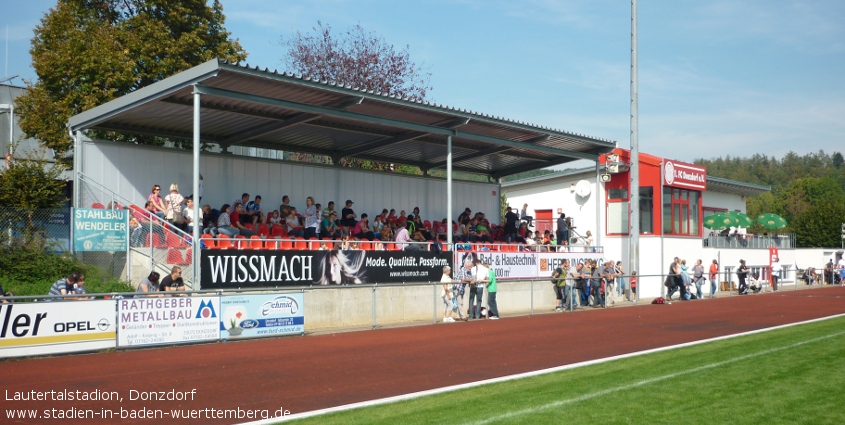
x,y
88,52
819,225
359,59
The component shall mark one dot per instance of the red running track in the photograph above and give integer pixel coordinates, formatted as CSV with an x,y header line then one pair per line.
x,y
306,373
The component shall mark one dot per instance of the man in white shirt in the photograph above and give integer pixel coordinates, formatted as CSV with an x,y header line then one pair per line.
x,y
776,270
446,294
188,214
479,273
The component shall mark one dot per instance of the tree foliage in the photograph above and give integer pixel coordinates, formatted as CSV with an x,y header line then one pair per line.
x,y
32,183
88,52
808,191
359,59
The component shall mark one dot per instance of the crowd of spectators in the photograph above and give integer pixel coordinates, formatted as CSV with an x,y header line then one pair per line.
x,y
246,217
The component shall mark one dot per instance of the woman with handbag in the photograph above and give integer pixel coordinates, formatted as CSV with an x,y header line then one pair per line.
x,y
173,207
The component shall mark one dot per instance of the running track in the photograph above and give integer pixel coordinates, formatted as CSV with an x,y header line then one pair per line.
x,y
314,372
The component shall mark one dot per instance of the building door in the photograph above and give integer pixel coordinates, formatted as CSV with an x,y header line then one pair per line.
x,y
543,221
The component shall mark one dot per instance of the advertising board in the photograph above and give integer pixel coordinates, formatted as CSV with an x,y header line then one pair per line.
x,y
100,230
524,265
29,329
242,269
167,320
684,175
252,316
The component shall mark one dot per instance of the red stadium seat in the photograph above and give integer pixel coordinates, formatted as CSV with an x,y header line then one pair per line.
x,y
224,243
278,230
250,226
255,242
263,230
240,242
158,241
208,240
172,240
286,243
313,243
174,256
300,243
97,205
189,257
427,224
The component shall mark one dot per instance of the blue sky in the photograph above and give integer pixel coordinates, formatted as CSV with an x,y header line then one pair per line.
x,y
716,77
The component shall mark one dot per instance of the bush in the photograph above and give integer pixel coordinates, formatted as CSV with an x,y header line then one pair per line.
x,y
33,272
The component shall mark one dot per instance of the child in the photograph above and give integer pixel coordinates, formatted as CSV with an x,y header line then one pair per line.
x,y
633,282
275,218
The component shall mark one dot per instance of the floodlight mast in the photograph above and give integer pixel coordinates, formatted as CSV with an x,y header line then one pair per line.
x,y
634,192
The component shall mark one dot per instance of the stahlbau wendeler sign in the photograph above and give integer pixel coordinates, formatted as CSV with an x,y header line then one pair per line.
x,y
683,175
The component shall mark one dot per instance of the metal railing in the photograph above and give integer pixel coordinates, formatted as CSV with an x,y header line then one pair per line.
x,y
783,241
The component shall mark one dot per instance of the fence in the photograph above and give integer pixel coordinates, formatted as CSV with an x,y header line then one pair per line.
x,y
785,241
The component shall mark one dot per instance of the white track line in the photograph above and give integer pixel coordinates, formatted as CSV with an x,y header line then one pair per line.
x,y
415,395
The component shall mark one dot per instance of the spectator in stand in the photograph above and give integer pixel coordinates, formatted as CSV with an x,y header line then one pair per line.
x,y
312,218
172,282
402,239
445,293
525,215
465,216
391,217
209,220
417,212
224,222
588,241
420,228
440,229
149,283
362,229
510,225
68,285
529,240
329,229
144,222
387,233
329,210
275,218
547,240
173,203
238,222
562,232
378,224
401,219
776,271
348,217
136,232
714,274
482,231
522,232
294,228
156,201
253,210
244,216
284,209
188,215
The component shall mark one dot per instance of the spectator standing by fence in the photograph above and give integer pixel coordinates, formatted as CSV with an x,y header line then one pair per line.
x,y
776,271
714,277
492,305
698,277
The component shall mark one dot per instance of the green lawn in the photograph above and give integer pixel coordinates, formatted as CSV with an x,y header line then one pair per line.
x,y
792,375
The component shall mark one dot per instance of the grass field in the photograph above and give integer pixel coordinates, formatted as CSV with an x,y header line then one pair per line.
x,y
791,375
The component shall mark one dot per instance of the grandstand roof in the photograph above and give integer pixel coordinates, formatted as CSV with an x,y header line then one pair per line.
x,y
248,106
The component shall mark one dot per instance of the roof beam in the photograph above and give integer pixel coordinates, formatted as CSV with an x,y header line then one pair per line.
x,y
490,151
399,138
212,91
265,129
520,168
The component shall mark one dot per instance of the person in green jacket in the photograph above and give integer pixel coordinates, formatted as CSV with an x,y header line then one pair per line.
x,y
492,307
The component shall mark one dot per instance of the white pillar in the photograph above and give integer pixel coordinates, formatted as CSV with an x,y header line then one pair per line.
x,y
196,193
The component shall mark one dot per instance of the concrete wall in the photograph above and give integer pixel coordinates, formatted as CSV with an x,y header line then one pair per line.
x,y
349,308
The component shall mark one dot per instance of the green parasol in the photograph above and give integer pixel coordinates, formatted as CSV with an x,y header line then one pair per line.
x,y
771,221
719,221
743,220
